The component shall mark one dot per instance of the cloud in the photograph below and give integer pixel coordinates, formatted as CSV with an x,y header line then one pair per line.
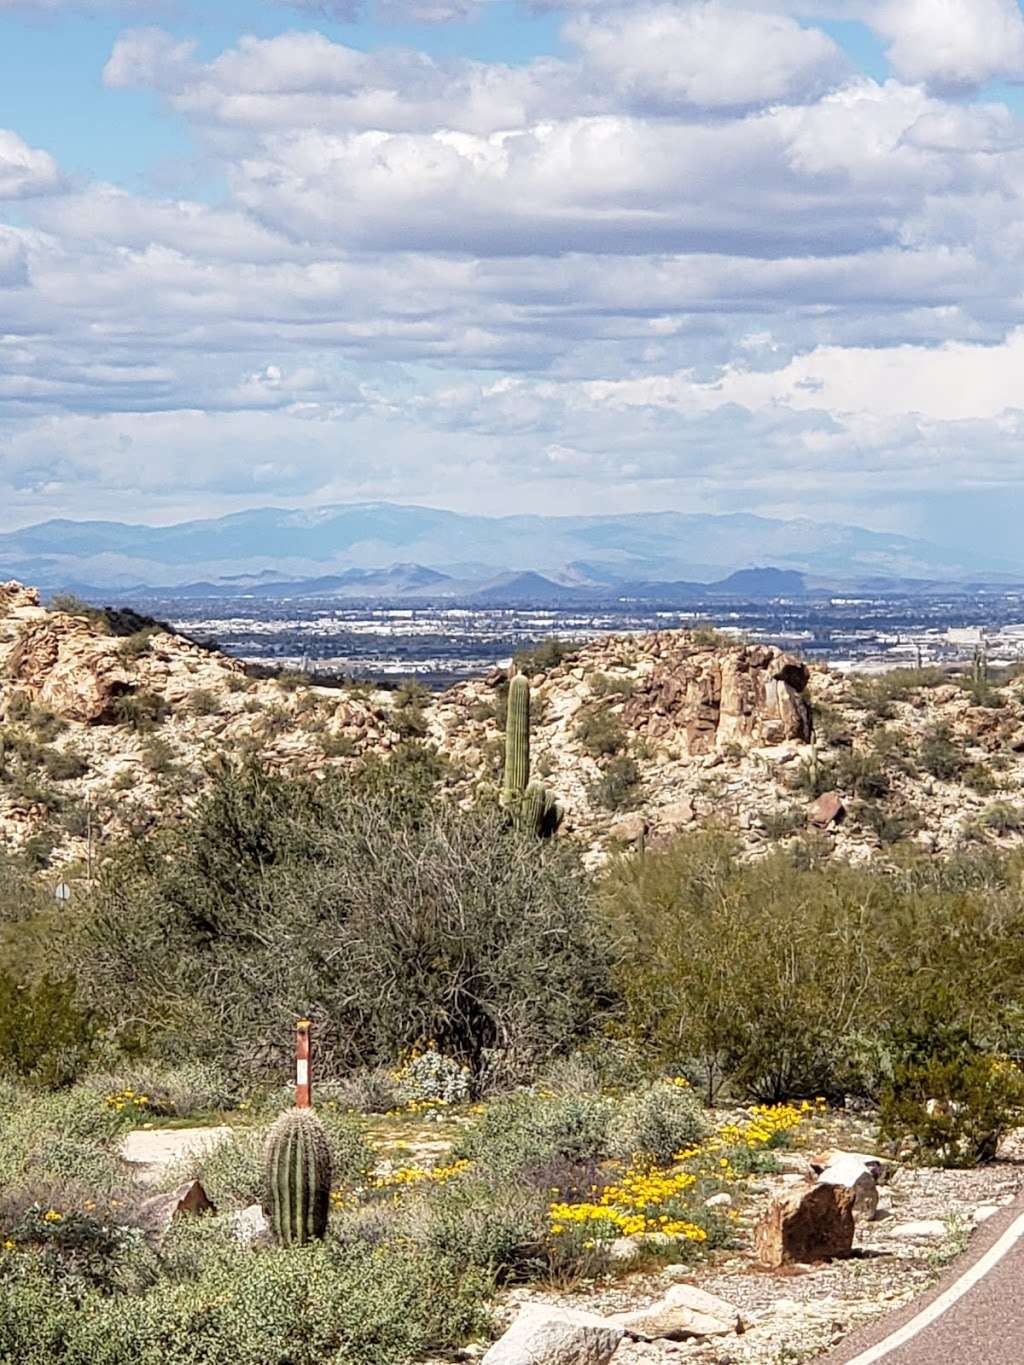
x,y
952,44
25,170
706,56
395,12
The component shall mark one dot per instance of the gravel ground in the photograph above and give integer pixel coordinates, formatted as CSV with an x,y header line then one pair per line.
x,y
800,1312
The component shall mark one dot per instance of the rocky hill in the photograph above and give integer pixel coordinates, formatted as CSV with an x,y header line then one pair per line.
x,y
639,737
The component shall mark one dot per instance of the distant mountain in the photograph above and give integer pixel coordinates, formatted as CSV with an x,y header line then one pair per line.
x,y
257,547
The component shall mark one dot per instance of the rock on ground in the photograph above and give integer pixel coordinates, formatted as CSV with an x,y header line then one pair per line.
x,y
542,1335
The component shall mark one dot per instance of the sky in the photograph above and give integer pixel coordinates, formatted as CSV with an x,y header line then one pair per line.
x,y
560,256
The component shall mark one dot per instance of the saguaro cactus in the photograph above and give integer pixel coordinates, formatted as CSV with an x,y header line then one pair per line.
x,y
530,804
297,1168
517,739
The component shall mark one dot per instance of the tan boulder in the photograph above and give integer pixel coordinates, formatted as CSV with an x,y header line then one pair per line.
x,y
812,1223
684,1312
68,668
829,809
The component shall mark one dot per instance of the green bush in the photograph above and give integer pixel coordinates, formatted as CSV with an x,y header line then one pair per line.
x,y
952,1110
658,1122
141,711
599,732
45,1037
314,1305
617,785
544,656
941,755
450,925
63,765
527,1132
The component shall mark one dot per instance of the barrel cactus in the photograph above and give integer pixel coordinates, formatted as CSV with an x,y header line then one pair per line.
x,y
530,804
297,1165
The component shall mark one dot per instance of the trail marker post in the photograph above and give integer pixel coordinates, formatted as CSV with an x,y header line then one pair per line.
x,y
303,1079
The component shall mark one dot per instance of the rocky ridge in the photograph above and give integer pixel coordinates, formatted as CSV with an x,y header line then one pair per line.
x,y
639,737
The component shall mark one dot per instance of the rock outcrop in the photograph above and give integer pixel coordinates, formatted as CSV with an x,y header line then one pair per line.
x,y
807,1224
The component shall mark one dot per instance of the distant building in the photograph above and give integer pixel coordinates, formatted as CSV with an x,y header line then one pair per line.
x,y
967,636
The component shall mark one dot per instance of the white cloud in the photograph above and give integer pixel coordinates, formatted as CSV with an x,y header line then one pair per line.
x,y
25,170
951,44
706,55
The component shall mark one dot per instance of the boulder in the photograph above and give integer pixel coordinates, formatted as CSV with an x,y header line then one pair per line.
x,y
156,1215
628,829
543,1334
850,1173
675,816
684,1312
829,809
813,1223
251,1226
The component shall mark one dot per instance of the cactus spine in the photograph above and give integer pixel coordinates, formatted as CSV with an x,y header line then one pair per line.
x,y
530,804
297,1166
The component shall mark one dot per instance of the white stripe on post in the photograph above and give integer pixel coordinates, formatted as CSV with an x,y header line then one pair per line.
x,y
303,1079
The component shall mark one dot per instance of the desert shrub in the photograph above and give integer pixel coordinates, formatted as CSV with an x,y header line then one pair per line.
x,y
231,1170
709,637
140,711
941,755
181,1091
137,644
599,732
66,1137
784,823
46,723
203,702
878,694
429,1075
310,1305
63,765
659,1121
528,1131
213,936
861,773
812,777
1003,818
291,679
45,1037
616,787
888,826
980,778
610,685
158,756
338,746
952,1110
491,1223
372,1090
543,656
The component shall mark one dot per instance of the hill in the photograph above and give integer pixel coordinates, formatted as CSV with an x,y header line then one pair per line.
x,y
639,737
606,550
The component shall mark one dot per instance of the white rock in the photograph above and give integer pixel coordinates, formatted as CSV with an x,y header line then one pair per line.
x,y
718,1201
685,1311
624,1251
545,1335
250,1225
920,1231
984,1213
851,1173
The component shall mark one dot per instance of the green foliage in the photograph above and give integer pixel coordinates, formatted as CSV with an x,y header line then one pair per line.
x,y
610,685
141,711
134,646
63,765
158,757
659,1121
297,1167
314,1305
599,732
1003,818
952,1108
544,656
44,1036
408,715
772,976
528,1132
941,755
616,788
879,693
212,937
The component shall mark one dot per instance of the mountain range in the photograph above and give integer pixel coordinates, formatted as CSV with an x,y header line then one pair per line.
x,y
392,550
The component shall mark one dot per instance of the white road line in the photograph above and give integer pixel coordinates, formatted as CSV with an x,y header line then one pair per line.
x,y
947,1298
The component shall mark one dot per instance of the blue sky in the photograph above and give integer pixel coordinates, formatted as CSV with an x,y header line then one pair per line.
x,y
565,255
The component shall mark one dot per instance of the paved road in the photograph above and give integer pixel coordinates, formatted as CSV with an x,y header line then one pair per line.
x,y
973,1316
